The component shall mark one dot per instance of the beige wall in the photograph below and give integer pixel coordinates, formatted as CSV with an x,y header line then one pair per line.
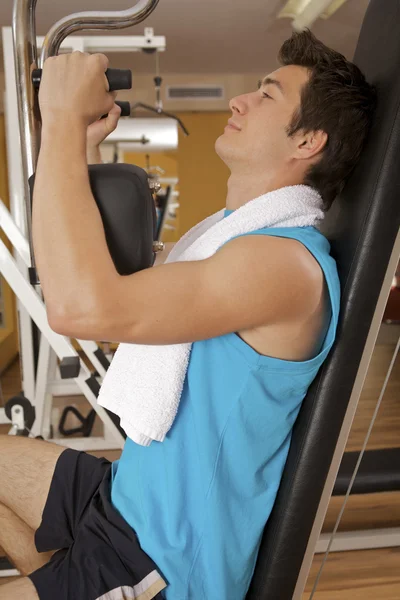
x,y
202,174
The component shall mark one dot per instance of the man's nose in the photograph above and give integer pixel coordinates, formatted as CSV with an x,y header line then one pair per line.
x,y
239,104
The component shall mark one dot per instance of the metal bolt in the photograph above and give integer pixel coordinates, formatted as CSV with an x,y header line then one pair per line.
x,y
158,246
155,186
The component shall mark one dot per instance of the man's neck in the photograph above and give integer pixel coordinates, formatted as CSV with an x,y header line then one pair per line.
x,y
243,189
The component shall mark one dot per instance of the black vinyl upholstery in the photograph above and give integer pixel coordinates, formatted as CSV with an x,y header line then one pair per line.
x,y
379,471
362,227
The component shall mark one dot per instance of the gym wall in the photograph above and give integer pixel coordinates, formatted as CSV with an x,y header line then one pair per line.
x,y
202,175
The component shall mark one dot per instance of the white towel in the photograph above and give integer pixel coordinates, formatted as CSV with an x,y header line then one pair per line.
x,y
143,384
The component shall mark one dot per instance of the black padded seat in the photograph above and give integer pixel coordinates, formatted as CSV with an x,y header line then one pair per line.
x,y
379,471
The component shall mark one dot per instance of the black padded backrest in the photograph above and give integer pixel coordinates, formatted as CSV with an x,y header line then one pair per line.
x,y
362,227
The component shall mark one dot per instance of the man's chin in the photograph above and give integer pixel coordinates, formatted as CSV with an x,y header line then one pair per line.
x,y
222,147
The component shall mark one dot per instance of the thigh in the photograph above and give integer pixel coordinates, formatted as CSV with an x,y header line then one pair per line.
x,y
26,470
16,590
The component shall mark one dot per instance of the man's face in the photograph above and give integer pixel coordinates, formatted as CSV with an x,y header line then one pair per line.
x,y
255,139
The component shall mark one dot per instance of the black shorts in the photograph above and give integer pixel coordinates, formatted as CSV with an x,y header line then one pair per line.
x,y
99,556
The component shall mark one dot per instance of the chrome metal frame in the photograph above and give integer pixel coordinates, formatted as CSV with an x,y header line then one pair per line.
x,y
17,207
86,21
25,56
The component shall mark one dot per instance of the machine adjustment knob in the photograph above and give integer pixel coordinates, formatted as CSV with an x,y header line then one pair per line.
x,y
155,186
158,246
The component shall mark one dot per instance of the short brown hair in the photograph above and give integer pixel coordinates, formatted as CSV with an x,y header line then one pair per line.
x,y
336,99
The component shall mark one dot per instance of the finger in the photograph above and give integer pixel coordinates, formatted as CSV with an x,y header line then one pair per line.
x,y
112,94
113,118
114,115
49,60
102,60
116,110
110,102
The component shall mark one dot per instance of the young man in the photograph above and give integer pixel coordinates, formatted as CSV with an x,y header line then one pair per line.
x,y
261,313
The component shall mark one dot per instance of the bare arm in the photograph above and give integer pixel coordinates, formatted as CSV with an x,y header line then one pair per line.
x,y
93,155
72,257
251,282
68,236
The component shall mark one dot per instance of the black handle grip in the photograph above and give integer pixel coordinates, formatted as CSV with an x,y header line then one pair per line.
x,y
125,109
118,79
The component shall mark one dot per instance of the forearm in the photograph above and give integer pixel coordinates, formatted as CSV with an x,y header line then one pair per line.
x,y
71,254
93,155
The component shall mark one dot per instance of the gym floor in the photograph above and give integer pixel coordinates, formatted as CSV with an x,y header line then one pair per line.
x,y
366,574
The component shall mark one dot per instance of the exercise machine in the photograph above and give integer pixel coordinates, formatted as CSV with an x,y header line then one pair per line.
x,y
363,228
43,378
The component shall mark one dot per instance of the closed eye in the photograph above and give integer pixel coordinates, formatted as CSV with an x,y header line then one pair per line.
x,y
265,95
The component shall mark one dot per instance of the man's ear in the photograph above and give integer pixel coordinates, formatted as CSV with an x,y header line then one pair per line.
x,y
310,144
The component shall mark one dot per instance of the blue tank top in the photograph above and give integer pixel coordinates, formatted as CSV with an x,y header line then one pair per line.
x,y
199,500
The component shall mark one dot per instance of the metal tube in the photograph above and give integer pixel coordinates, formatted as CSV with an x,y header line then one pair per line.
x,y
25,57
94,20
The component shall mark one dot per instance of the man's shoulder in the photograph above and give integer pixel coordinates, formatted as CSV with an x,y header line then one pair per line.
x,y
268,249
279,270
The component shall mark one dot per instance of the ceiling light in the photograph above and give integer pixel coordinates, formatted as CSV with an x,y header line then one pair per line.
x,y
304,12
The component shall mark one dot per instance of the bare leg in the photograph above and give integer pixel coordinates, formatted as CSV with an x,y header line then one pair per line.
x,y
26,470
17,541
16,590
